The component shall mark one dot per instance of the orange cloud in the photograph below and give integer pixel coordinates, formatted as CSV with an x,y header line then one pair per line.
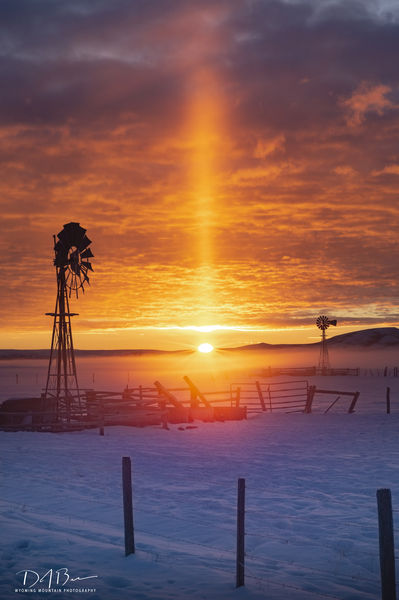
x,y
266,147
345,170
387,170
367,98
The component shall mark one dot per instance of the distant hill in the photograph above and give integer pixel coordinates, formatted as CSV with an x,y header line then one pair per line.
x,y
264,346
11,354
380,337
377,338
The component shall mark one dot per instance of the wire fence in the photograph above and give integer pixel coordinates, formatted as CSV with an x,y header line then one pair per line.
x,y
298,561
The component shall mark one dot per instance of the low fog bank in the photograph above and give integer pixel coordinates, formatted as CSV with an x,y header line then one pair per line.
x,y
349,358
217,369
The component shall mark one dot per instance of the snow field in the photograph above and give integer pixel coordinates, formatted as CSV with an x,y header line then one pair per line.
x,y
311,517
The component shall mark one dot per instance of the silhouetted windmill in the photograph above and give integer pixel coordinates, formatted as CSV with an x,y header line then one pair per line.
x,y
324,323
71,262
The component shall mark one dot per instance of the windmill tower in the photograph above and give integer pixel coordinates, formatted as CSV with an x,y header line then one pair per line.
x,y
71,263
324,323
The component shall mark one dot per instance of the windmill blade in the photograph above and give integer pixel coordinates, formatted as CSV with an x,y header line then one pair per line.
x,y
83,274
87,254
87,265
74,226
83,243
72,234
322,322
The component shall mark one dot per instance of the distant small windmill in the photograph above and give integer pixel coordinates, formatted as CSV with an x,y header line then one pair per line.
x,y
72,265
324,323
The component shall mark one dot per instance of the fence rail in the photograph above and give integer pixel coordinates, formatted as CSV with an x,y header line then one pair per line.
x,y
261,396
308,371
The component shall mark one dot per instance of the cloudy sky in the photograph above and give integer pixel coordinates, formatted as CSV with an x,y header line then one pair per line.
x,y
235,163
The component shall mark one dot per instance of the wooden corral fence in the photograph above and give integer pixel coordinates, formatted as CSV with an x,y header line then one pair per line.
x,y
283,371
287,396
160,405
304,371
353,372
313,390
136,406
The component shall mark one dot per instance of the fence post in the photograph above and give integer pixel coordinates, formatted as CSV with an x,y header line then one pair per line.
x,y
388,400
102,418
355,398
238,397
240,533
309,400
261,398
387,553
270,398
128,505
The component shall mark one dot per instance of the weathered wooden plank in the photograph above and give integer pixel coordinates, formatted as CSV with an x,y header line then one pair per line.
x,y
260,394
168,395
196,392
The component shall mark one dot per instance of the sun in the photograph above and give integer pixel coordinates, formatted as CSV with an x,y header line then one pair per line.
x,y
205,348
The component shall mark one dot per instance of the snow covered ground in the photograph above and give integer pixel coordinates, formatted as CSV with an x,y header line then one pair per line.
x,y
311,518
